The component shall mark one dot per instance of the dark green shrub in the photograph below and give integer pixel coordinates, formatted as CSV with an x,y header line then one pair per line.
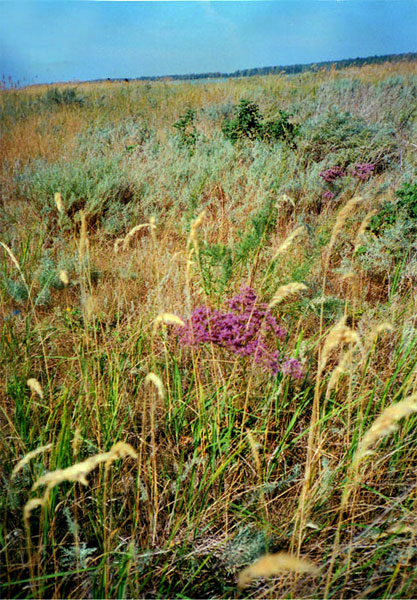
x,y
187,132
385,218
407,199
279,129
68,96
249,123
405,205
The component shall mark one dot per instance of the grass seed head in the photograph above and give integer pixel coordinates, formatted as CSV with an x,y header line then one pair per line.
x,y
339,334
167,319
132,232
271,565
63,276
152,378
288,241
386,423
29,507
58,202
35,386
362,229
286,290
340,221
28,457
79,471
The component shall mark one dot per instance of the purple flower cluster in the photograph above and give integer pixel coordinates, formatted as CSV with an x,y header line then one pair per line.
x,y
363,171
243,330
328,195
332,174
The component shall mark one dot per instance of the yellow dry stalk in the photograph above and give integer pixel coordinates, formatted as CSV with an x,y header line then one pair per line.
x,y
341,368
28,457
192,239
12,256
288,241
286,290
374,333
117,244
167,319
386,423
339,334
84,243
63,276
272,565
76,441
284,198
363,227
132,232
29,507
341,218
35,386
58,202
152,378
79,471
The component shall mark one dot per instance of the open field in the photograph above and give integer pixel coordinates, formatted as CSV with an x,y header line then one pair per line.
x,y
153,334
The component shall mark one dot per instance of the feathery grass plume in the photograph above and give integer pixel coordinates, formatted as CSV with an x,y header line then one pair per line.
x,y
386,423
28,457
341,368
254,448
362,229
58,202
35,386
63,276
152,378
339,334
12,256
117,245
285,198
271,565
340,221
288,241
192,239
79,471
286,290
76,441
168,319
374,333
29,507
132,232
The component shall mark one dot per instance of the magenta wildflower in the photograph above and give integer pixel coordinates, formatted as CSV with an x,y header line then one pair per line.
x,y
363,171
332,174
245,330
328,195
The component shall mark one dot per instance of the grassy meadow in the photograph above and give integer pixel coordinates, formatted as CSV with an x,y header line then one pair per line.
x,y
209,339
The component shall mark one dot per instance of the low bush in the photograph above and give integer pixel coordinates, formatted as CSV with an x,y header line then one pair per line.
x,y
249,123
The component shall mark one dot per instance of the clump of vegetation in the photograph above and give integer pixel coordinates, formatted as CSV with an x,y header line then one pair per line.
x,y
405,207
187,131
249,123
67,96
343,138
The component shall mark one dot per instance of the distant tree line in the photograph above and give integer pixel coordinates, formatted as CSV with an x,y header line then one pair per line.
x,y
287,70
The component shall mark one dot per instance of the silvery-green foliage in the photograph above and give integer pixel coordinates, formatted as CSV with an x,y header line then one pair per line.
x,y
380,254
16,289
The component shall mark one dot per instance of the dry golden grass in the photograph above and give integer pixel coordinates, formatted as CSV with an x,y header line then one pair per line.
x,y
386,423
273,565
79,471
28,457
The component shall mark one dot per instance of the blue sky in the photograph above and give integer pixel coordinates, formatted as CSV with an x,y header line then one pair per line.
x,y
79,40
